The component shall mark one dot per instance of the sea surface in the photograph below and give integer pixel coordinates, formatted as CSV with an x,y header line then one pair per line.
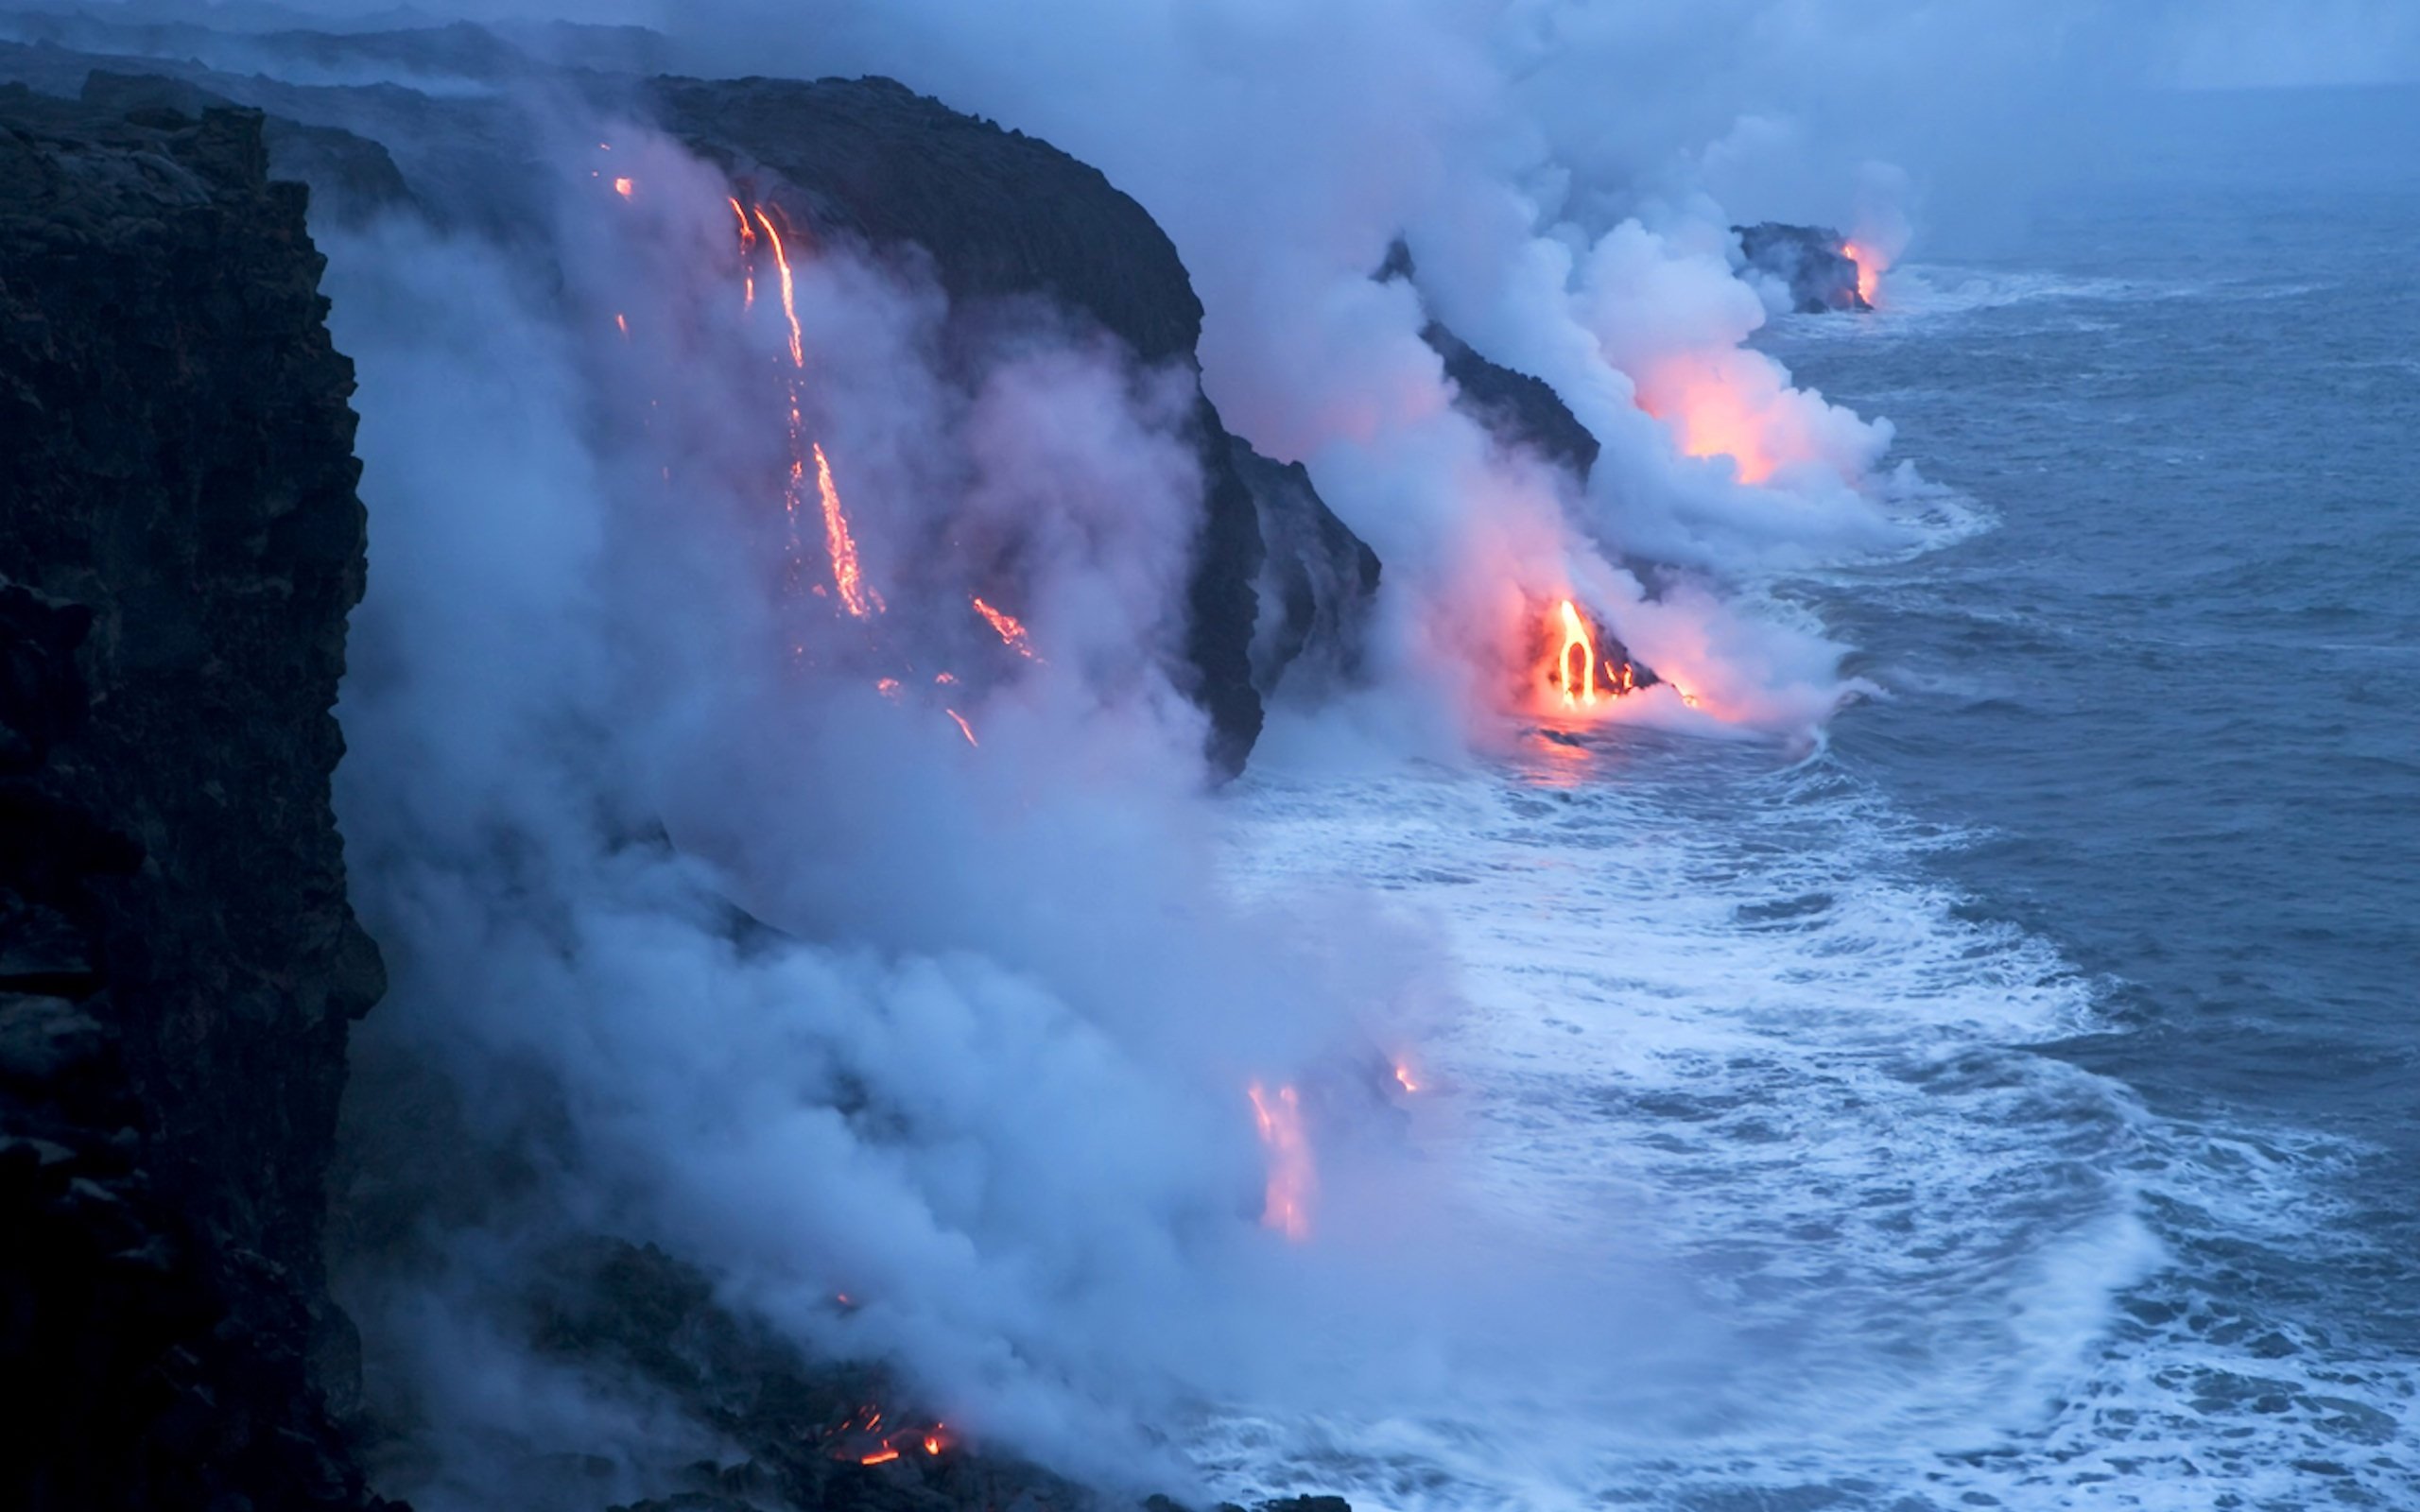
x,y
2027,1082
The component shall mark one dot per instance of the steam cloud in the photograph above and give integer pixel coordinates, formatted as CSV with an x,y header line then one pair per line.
x,y
734,953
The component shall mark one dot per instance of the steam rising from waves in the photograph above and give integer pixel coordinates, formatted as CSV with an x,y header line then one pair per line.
x,y
1710,1004
578,633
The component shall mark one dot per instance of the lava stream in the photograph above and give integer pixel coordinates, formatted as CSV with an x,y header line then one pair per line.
x,y
1287,1205
1010,630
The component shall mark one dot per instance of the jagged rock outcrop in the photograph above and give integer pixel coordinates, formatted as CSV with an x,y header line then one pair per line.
x,y
1806,260
1520,410
1317,583
179,965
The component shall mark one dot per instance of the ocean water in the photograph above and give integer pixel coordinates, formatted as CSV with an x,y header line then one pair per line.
x,y
2028,1081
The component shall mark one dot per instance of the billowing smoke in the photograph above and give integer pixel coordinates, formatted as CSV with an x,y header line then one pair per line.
x,y
881,970
886,973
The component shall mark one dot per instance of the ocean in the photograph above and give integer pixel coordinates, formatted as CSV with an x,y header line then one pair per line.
x,y
2021,1085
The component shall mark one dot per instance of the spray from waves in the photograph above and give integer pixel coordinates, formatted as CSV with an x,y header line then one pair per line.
x,y
1722,1004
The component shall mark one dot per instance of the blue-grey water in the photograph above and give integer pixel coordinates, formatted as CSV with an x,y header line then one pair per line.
x,y
2025,1086
2177,688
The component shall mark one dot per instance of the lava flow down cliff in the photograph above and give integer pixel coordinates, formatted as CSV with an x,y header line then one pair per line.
x,y
830,557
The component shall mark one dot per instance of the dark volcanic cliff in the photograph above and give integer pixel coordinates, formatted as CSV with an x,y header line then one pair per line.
x,y
1808,261
179,965
1005,215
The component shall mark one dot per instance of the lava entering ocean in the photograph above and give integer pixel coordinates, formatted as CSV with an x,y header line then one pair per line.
x,y
1567,675
1287,1205
1870,265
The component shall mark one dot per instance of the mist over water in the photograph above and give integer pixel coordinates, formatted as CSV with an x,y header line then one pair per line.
x,y
1957,1056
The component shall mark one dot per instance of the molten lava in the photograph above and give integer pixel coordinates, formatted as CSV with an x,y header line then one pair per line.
x,y
861,1438
855,596
747,245
1869,264
1568,675
1007,627
963,727
1580,649
623,187
1286,1206
790,292
1404,1079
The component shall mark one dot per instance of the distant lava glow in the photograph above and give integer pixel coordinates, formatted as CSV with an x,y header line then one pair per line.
x,y
1709,416
861,1438
1287,1205
1871,265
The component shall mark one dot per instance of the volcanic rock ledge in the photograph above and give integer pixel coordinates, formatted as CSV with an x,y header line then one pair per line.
x,y
179,965
1806,260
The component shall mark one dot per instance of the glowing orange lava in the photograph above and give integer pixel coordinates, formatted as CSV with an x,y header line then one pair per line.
x,y
623,187
1009,628
1404,1079
1869,264
880,1456
1568,677
855,596
1287,1205
747,244
963,727
789,301
1576,645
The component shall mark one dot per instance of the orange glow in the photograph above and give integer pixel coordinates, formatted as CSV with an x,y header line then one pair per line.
x,y
1567,675
1870,265
1404,1079
932,1443
880,1456
963,727
1708,419
888,687
1575,643
747,244
622,325
1007,627
623,187
789,302
837,540
944,679
1287,1205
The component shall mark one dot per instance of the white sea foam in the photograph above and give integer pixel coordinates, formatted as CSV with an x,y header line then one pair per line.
x,y
1717,1014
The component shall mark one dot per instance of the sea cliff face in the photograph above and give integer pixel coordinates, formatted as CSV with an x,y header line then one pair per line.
x,y
1003,215
180,545
179,965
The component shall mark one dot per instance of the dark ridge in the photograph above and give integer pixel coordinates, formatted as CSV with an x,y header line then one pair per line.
x,y
1316,585
1002,216
1807,261
179,965
1517,408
